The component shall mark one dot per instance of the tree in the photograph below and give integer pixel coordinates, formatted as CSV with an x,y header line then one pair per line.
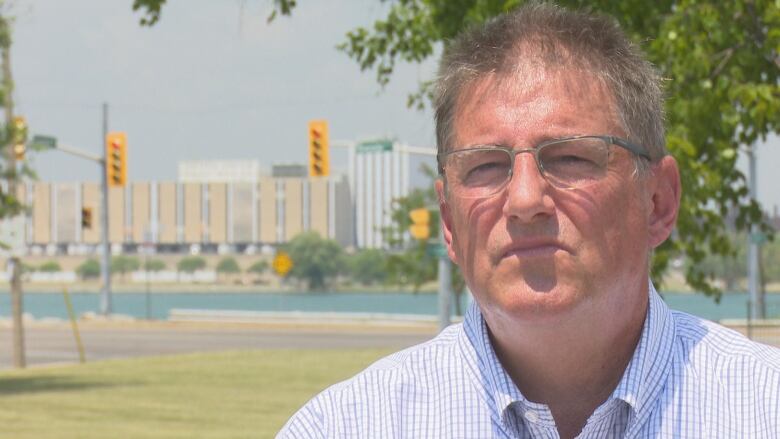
x,y
228,265
368,266
315,260
411,262
723,68
154,265
89,269
50,267
258,267
191,264
124,264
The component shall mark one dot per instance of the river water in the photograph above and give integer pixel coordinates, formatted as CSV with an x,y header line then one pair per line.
x,y
157,306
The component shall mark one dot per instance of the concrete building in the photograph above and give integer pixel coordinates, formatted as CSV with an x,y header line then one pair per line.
x,y
381,175
181,214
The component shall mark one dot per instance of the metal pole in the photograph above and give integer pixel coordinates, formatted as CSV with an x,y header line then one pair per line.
x,y
753,244
105,267
445,285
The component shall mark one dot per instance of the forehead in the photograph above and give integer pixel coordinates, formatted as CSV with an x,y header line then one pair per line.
x,y
533,104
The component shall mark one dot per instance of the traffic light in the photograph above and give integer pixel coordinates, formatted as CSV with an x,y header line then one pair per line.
x,y
420,228
319,160
19,137
86,217
116,158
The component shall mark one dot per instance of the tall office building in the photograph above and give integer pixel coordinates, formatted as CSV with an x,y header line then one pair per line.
x,y
381,175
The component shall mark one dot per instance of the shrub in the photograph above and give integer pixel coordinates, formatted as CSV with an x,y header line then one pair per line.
x,y
228,265
191,264
50,267
154,265
89,269
258,267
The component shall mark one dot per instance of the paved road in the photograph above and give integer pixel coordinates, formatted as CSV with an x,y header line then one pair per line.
x,y
54,343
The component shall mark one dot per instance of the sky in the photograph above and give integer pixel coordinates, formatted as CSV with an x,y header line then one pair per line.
x,y
213,80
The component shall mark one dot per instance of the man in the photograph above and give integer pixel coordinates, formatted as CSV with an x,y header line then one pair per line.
x,y
555,188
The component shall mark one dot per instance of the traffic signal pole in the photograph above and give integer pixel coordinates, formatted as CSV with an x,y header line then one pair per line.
x,y
105,266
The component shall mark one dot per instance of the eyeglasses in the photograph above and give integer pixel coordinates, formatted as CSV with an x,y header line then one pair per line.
x,y
570,163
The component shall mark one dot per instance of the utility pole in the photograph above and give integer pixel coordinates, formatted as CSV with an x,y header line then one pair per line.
x,y
14,263
105,266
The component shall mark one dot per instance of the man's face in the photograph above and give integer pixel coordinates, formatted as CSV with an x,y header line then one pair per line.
x,y
534,251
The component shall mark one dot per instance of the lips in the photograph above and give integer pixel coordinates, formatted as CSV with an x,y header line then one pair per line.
x,y
530,248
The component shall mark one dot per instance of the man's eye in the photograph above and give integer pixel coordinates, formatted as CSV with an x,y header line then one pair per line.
x,y
569,159
485,172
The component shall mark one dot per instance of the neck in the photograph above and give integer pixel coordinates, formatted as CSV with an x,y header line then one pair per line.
x,y
572,366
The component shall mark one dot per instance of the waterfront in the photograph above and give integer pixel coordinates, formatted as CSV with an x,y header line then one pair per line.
x,y
158,306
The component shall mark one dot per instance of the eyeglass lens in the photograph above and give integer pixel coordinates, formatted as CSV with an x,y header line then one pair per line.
x,y
566,164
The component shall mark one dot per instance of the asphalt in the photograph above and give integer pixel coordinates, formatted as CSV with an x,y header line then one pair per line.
x,y
54,343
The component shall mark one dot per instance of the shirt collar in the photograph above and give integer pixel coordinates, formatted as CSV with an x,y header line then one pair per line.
x,y
646,374
640,386
500,390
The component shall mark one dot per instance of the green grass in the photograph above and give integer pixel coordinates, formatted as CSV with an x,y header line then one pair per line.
x,y
225,395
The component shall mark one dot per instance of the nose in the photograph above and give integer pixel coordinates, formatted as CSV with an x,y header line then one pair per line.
x,y
527,193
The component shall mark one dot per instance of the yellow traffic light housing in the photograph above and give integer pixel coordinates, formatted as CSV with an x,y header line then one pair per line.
x,y
319,158
86,217
19,151
116,158
420,228
19,137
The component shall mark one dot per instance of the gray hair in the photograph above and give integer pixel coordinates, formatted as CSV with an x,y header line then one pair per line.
x,y
554,37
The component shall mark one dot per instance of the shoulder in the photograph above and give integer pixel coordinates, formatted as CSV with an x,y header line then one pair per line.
x,y
384,390
706,337
718,362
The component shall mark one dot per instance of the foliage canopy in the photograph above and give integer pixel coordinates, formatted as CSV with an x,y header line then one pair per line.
x,y
316,260
191,264
50,267
228,265
89,269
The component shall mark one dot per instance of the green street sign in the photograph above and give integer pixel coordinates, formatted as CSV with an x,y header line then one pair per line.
x,y
758,238
436,249
375,146
44,142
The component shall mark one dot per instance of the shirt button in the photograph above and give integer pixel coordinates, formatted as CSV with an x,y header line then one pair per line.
x,y
531,416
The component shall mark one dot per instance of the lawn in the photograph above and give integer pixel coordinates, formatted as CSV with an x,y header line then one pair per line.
x,y
225,395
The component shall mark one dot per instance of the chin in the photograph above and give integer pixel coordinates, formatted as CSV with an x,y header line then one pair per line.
x,y
527,301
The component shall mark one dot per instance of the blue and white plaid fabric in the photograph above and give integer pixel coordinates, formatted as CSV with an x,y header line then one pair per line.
x,y
688,378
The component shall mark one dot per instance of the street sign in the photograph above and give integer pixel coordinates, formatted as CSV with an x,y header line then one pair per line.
x,y
436,249
375,146
282,263
44,142
758,238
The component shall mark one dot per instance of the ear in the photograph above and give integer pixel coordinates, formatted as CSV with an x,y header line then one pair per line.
x,y
664,200
446,220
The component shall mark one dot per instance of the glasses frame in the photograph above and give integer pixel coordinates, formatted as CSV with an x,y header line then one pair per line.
x,y
609,140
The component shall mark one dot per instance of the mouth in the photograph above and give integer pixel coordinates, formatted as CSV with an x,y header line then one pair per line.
x,y
532,249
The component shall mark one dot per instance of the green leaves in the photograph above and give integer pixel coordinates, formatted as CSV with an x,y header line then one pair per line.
x,y
151,9
316,260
